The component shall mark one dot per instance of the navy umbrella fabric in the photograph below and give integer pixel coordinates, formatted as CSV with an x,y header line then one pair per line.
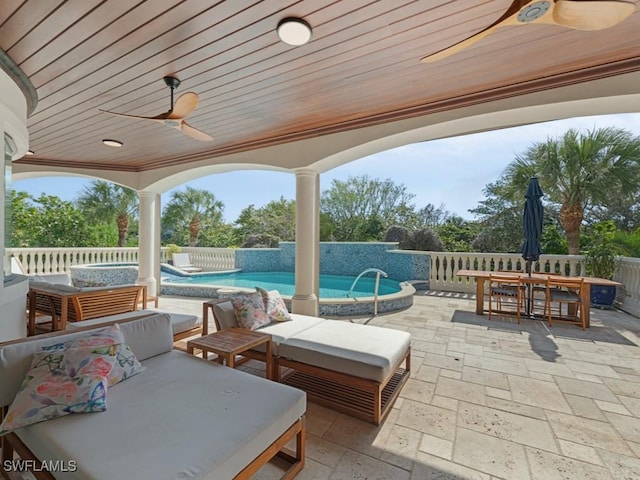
x,y
532,223
532,229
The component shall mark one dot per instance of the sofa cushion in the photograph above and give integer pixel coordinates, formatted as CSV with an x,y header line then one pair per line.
x,y
59,383
63,288
59,278
126,365
147,337
180,322
250,311
274,305
226,315
363,351
183,418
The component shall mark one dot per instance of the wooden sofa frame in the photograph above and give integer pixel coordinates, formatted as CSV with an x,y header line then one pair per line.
x,y
359,397
65,307
11,445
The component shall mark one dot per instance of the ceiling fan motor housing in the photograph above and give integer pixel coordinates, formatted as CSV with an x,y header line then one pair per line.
x,y
533,11
171,82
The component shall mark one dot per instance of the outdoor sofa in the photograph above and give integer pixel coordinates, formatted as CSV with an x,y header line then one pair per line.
x,y
182,417
353,368
66,303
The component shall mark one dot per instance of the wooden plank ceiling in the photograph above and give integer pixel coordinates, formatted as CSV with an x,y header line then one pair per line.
x,y
361,67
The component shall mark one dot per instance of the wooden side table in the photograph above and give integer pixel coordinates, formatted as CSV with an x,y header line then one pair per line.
x,y
231,342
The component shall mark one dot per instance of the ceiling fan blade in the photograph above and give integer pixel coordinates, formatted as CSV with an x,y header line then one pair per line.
x,y
185,104
195,133
157,118
591,15
510,17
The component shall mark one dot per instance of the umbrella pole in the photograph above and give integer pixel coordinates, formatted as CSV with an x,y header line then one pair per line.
x,y
529,299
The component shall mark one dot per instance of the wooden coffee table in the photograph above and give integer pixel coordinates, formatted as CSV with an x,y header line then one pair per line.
x,y
231,342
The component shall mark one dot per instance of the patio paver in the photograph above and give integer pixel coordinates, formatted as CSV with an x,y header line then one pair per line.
x,y
490,400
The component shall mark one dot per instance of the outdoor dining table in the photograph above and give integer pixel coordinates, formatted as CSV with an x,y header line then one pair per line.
x,y
535,279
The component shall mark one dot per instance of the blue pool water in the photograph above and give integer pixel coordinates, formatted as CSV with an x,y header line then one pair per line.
x,y
331,286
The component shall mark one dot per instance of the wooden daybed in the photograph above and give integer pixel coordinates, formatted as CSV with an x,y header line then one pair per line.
x,y
182,417
64,303
356,369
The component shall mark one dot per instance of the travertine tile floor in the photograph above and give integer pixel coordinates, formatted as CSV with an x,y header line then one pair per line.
x,y
491,400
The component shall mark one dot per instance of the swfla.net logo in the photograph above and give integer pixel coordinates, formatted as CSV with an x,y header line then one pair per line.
x,y
29,465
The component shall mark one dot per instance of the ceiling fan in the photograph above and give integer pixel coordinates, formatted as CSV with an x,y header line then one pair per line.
x,y
575,14
174,118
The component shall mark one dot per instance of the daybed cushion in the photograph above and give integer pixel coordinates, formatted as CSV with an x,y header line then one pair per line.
x,y
226,418
146,337
280,331
180,322
363,351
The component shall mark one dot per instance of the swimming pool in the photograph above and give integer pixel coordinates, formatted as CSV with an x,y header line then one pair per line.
x,y
331,286
333,301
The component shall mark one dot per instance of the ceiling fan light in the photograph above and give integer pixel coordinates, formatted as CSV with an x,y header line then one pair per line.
x,y
30,152
112,143
294,31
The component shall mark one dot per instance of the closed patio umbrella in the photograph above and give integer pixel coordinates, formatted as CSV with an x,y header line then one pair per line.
x,y
532,227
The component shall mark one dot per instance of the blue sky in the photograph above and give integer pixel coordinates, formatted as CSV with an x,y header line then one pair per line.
x,y
451,171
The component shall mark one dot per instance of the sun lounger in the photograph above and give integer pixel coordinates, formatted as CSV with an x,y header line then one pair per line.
x,y
353,368
182,261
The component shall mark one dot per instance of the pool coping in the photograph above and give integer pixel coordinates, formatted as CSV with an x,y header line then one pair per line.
x,y
327,306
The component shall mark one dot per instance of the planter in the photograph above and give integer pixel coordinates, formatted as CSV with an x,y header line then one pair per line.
x,y
603,295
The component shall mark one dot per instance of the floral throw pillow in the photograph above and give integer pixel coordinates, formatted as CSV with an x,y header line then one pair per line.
x,y
126,365
59,383
250,311
274,305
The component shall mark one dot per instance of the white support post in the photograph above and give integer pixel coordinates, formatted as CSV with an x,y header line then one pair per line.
x,y
305,300
146,242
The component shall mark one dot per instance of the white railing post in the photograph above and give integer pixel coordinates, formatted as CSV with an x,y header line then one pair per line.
x,y
628,296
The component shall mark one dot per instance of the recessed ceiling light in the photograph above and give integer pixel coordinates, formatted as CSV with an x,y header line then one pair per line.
x,y
112,143
294,31
30,152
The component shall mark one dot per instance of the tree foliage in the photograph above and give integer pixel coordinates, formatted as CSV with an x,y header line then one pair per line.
x,y
500,218
277,219
579,171
188,212
48,221
110,203
362,208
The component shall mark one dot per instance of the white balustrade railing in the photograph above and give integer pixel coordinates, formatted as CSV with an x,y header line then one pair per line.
x,y
445,267
212,258
443,273
59,260
37,261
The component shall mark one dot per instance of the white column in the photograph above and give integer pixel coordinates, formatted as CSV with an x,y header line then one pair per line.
x,y
146,241
305,300
157,231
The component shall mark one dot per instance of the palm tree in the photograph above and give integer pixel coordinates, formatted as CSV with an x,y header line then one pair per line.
x,y
577,171
110,202
193,209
